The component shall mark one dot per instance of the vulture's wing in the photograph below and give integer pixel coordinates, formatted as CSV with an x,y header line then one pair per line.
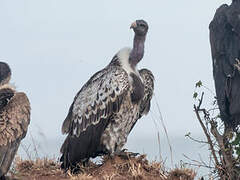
x,y
7,154
148,82
98,99
14,119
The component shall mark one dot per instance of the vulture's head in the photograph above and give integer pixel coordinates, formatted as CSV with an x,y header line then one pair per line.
x,y
5,73
140,27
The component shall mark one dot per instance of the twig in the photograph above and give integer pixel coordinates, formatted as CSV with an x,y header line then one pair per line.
x,y
165,129
34,146
227,160
26,150
209,90
157,129
196,109
159,147
200,101
198,141
198,162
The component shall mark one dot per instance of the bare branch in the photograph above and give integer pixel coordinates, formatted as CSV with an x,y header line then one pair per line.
x,y
196,109
227,159
196,140
225,162
197,163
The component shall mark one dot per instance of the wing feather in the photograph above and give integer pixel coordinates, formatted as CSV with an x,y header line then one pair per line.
x,y
148,81
14,119
98,99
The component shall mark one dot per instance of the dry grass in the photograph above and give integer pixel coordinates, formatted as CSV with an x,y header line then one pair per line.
x,y
37,170
182,174
116,168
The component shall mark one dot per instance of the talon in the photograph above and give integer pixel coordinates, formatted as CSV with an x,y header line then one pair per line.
x,y
124,150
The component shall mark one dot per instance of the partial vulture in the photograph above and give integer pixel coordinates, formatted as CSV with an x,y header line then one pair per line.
x,y
225,48
14,119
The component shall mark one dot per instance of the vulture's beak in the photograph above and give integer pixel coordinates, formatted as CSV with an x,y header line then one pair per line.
x,y
133,25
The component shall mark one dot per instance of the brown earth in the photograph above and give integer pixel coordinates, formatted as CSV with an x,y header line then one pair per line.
x,y
116,168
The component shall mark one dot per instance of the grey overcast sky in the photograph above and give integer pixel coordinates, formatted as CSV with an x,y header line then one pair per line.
x,y
54,46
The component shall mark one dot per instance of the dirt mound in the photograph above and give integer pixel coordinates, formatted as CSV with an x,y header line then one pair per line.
x,y
115,168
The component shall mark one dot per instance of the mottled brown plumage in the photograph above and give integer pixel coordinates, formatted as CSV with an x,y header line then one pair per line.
x,y
14,121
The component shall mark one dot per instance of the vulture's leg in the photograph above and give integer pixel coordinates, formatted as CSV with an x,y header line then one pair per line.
x,y
237,65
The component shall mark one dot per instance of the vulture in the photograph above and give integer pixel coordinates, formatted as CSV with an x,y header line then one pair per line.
x,y
14,119
225,50
108,106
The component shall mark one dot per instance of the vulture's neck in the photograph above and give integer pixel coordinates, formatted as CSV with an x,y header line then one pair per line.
x,y
138,50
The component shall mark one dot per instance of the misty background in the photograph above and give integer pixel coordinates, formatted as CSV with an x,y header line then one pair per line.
x,y
54,46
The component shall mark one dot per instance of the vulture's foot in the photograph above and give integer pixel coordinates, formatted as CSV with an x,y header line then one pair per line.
x,y
237,65
126,155
79,167
86,163
124,150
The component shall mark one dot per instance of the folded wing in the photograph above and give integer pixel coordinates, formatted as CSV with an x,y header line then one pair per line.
x,y
14,119
99,98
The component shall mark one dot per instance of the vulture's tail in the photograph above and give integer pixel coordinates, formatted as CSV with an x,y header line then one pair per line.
x,y
71,159
77,150
7,154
